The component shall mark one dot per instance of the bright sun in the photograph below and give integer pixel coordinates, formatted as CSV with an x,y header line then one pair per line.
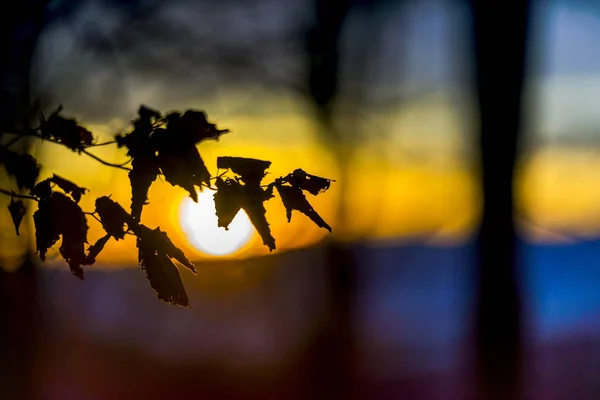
x,y
199,223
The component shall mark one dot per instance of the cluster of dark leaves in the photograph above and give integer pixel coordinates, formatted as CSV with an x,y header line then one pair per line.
x,y
158,145
59,217
245,191
155,250
166,144
66,131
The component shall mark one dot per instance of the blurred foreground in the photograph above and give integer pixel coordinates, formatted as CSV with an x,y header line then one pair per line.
x,y
253,328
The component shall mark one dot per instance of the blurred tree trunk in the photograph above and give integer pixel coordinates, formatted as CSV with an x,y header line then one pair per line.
x,y
19,31
331,357
500,33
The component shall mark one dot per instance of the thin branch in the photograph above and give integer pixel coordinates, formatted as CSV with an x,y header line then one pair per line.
x,y
204,185
20,196
218,176
126,162
15,140
38,136
93,215
101,161
103,144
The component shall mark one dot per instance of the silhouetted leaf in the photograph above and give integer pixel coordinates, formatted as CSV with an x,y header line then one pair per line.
x,y
294,199
23,167
59,215
192,127
144,172
148,114
42,190
96,248
311,183
253,205
163,275
66,131
250,170
168,146
47,230
145,168
184,168
155,253
139,141
17,212
112,216
162,244
228,201
158,144
231,196
74,232
69,187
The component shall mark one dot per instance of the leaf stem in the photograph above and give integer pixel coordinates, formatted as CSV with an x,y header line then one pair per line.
x,y
101,161
33,133
103,144
93,215
218,176
20,196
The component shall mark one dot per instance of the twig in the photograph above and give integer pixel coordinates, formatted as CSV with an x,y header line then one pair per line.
x,y
38,136
103,144
15,140
20,196
218,176
101,161
93,215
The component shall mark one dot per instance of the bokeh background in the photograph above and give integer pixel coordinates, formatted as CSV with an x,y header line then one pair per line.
x,y
398,131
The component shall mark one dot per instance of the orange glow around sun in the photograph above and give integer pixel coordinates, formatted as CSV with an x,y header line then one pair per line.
x,y
385,195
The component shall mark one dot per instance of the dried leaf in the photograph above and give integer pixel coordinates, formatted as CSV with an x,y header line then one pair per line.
x,y
155,253
228,201
311,183
294,199
148,114
23,167
192,127
170,151
163,275
96,248
232,195
145,168
66,131
184,167
47,230
69,187
144,172
17,212
42,190
167,247
250,170
253,205
113,217
59,215
162,244
73,227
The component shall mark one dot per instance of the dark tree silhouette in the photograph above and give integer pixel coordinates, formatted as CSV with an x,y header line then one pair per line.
x,y
19,30
333,349
158,144
500,69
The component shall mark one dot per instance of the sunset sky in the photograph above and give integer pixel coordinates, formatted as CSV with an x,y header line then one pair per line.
x,y
414,176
